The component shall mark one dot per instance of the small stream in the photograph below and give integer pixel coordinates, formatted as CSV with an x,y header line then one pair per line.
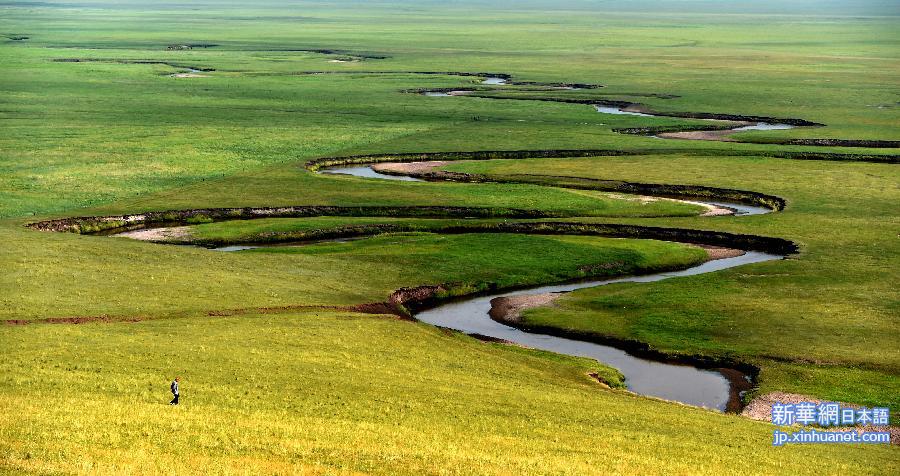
x,y
366,171
442,94
672,381
739,208
619,111
487,81
756,126
683,383
764,126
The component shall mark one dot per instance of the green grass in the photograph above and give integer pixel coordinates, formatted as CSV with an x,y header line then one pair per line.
x,y
274,230
113,131
525,259
767,312
124,278
334,392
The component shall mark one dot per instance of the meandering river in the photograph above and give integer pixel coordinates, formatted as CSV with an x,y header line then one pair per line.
x,y
683,383
670,381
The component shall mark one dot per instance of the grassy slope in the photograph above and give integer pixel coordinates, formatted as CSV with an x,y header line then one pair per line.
x,y
329,391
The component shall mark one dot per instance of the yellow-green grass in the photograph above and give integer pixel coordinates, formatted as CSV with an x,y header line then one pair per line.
x,y
336,392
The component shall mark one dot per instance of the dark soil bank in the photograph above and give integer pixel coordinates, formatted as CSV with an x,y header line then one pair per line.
x,y
572,153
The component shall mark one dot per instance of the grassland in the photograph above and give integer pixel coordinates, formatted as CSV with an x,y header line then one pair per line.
x,y
331,392
141,280
326,391
95,130
771,313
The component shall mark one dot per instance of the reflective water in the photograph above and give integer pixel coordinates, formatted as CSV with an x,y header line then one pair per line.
x,y
678,382
235,248
758,126
620,111
683,383
367,172
764,126
741,209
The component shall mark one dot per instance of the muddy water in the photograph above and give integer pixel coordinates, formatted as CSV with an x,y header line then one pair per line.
x,y
683,383
739,208
366,171
236,248
670,381
619,111
764,126
757,126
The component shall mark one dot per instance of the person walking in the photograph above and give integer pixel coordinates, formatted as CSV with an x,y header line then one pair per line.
x,y
174,388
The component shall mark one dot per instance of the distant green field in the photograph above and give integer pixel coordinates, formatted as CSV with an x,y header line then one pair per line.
x,y
83,134
93,121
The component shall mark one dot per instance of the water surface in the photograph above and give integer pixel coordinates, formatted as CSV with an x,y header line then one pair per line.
x,y
740,209
764,126
683,383
366,171
619,111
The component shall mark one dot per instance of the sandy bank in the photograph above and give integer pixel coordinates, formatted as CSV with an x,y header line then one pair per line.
x,y
174,233
509,308
723,135
719,252
407,168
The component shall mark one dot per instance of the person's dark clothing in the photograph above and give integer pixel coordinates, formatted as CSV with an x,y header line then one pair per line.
x,y
174,388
